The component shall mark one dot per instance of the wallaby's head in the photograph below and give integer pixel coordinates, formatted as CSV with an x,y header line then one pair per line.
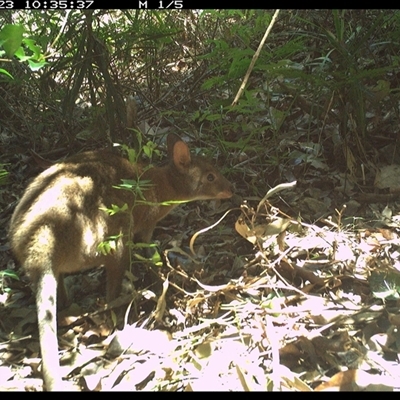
x,y
193,177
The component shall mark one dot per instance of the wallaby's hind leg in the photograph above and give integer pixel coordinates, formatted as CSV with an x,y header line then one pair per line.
x,y
116,267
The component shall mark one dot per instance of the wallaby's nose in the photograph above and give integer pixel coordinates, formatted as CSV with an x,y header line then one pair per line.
x,y
226,193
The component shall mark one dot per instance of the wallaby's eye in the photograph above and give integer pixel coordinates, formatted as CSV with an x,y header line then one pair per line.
x,y
210,177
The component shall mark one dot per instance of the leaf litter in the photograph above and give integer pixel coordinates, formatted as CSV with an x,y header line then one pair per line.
x,y
315,308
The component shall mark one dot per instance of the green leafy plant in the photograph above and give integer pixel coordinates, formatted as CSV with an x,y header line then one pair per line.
x,y
110,245
13,43
136,188
3,174
7,274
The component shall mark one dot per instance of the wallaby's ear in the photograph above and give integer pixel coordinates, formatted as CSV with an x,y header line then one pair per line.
x,y
181,155
171,140
178,152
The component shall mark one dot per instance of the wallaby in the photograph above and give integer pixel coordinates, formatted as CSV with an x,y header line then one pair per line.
x,y
60,222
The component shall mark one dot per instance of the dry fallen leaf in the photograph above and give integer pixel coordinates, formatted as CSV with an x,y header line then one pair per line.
x,y
356,380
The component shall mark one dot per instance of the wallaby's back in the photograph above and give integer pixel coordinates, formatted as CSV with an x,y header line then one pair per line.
x,y
60,213
60,222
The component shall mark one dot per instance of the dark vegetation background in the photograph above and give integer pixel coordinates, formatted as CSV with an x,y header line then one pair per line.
x,y
321,107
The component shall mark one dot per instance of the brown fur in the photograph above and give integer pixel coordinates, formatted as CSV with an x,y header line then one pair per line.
x,y
59,223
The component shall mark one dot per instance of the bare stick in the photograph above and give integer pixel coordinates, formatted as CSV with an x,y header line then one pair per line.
x,y
255,57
